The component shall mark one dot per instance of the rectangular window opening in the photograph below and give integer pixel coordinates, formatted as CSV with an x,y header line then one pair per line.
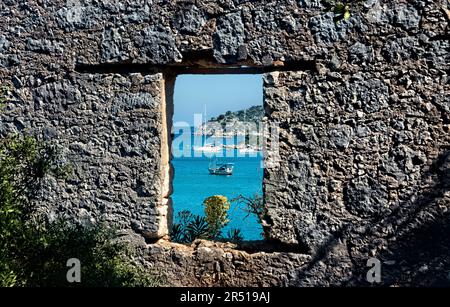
x,y
216,151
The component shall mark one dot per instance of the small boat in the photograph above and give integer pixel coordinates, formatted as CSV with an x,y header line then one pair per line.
x,y
247,150
208,148
221,169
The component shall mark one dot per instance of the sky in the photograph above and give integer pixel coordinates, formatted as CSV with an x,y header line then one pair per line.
x,y
220,93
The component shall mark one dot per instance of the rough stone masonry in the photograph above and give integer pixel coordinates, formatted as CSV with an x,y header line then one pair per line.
x,y
363,107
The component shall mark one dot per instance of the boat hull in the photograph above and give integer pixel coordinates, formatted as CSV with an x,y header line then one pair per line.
x,y
213,171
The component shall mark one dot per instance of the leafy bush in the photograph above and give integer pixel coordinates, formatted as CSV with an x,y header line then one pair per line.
x,y
216,214
23,165
191,227
34,252
40,253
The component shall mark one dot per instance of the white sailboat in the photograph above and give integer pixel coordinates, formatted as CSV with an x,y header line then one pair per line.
x,y
221,168
247,150
207,148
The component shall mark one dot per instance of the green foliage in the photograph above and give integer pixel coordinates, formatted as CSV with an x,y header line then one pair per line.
x,y
216,214
341,9
39,254
177,233
235,235
198,228
253,114
23,165
7,277
3,93
189,228
34,252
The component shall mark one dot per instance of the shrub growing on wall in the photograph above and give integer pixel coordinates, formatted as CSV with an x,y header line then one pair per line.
x,y
33,251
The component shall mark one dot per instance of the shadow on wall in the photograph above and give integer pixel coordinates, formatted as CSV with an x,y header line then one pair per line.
x,y
412,242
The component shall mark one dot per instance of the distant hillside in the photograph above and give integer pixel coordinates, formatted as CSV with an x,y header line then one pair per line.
x,y
253,114
240,122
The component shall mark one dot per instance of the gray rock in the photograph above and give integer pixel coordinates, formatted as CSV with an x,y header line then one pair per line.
x,y
12,60
405,16
378,14
4,43
141,14
111,46
371,95
341,136
228,38
362,106
365,197
44,46
370,3
289,24
17,82
335,63
360,53
132,101
437,55
56,96
402,49
157,46
324,28
75,16
189,20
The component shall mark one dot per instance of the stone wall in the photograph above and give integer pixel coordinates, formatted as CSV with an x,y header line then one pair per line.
x,y
363,107
109,128
348,156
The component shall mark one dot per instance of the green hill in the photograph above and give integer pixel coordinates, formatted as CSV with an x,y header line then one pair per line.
x,y
252,114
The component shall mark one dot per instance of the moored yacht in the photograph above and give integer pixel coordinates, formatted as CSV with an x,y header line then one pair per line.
x,y
221,168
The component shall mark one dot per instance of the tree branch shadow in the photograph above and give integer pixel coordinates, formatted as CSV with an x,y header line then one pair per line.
x,y
412,242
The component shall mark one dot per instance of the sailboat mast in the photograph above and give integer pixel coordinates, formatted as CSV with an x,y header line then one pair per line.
x,y
205,129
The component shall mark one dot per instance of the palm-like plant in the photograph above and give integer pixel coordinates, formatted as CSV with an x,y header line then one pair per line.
x,y
235,235
197,229
189,228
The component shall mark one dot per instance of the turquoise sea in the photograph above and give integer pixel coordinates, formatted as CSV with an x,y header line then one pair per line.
x,y
192,182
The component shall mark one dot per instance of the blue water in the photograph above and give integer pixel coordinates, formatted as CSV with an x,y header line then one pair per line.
x,y
192,184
